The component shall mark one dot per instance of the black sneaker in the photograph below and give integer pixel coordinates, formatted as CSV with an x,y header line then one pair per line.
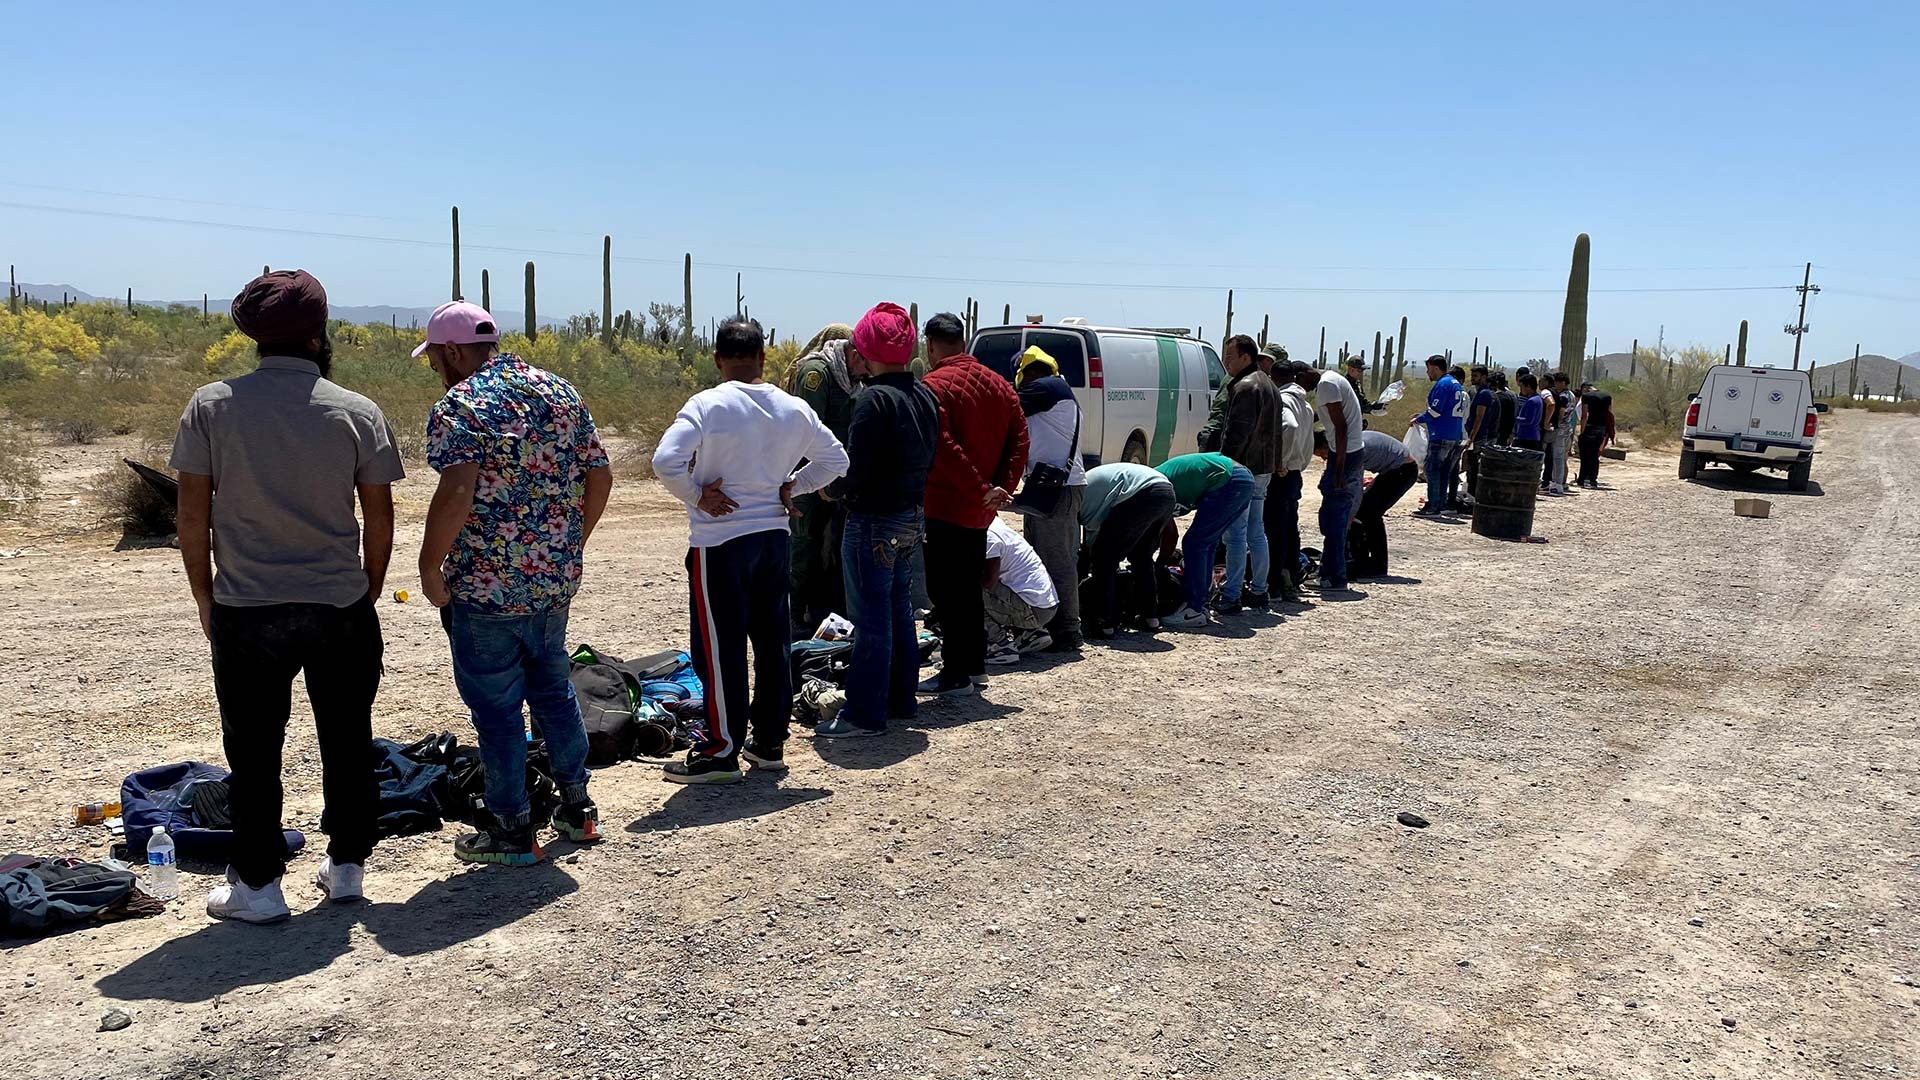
x,y
1223,606
512,847
1257,601
579,823
700,769
765,758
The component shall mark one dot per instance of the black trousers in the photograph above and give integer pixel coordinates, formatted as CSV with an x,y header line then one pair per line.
x,y
1131,532
256,653
1367,540
737,593
956,561
1283,526
1590,456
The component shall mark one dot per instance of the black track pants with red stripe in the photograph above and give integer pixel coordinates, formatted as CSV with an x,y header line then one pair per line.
x,y
738,593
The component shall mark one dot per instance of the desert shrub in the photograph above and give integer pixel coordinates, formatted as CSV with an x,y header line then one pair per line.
x,y
131,504
19,472
34,344
65,404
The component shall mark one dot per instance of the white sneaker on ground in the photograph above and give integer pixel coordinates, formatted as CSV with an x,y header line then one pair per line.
x,y
342,882
241,902
1187,619
1033,641
1003,652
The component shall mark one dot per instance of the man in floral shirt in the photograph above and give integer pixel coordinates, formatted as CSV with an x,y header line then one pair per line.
x,y
523,480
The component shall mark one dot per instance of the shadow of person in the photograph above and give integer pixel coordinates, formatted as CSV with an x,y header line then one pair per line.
x,y
222,957
1389,579
463,907
1756,482
937,713
1342,596
897,745
698,805
1137,643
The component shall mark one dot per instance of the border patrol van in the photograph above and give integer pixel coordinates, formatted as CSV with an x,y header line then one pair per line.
x,y
1752,418
1143,394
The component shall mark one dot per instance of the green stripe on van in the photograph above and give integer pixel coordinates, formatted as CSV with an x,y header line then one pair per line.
x,y
1166,413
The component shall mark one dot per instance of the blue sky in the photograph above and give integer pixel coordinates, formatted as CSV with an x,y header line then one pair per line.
x,y
1338,165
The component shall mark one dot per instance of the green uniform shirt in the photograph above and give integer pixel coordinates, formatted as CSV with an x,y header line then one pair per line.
x,y
813,383
1194,475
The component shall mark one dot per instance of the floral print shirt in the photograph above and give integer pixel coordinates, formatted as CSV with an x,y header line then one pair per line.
x,y
534,441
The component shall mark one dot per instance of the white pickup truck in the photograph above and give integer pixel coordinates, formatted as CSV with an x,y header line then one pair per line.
x,y
1752,418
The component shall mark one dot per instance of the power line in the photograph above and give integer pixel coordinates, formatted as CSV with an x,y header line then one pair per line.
x,y
864,274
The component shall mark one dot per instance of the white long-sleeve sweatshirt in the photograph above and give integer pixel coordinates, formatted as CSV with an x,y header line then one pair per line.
x,y
750,437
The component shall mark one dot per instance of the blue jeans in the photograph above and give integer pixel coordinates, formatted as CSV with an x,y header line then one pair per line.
x,y
1217,512
499,663
1247,540
1443,463
877,557
1338,498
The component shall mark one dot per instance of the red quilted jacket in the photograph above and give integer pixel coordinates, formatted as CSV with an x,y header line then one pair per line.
x,y
983,441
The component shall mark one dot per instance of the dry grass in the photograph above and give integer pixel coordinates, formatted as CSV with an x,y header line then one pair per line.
x,y
131,503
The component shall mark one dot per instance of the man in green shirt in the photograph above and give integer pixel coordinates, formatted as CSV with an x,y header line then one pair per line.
x,y
822,379
1218,490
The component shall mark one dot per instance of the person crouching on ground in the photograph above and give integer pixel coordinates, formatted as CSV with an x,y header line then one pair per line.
x,y
730,456
1019,597
1394,472
1127,509
981,457
1217,489
1053,433
269,465
523,481
890,445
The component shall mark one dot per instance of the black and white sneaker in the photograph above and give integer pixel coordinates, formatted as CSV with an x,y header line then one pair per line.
x,y
700,769
1029,642
768,758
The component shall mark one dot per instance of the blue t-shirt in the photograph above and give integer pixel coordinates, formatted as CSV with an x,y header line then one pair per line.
x,y
1488,407
1446,410
1526,422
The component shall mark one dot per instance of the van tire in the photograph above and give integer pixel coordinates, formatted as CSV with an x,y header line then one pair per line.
x,y
1136,451
1797,475
1689,465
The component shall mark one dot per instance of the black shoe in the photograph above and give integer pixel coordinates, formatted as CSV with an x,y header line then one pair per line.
x,y
1226,607
510,847
1257,601
766,758
1065,643
700,769
580,823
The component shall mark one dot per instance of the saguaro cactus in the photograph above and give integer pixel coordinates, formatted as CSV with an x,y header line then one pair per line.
x,y
1006,315
1853,376
456,254
1265,322
13,292
1322,361
486,292
1741,356
533,321
606,291
1379,365
1401,363
130,310
1229,332
1573,321
686,343
1389,365
1633,361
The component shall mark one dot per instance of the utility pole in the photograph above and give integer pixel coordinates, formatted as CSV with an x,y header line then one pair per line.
x,y
1799,327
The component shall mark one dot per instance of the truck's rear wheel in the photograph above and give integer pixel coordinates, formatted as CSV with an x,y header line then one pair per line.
x,y
1798,474
1136,451
1689,465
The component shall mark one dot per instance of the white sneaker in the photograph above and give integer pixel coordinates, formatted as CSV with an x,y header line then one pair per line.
x,y
1033,641
1187,619
1003,652
341,882
241,902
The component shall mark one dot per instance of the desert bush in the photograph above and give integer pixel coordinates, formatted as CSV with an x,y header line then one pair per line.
x,y
131,504
65,404
33,344
19,472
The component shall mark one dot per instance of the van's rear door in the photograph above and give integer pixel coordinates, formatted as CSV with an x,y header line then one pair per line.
x,y
1779,405
1726,404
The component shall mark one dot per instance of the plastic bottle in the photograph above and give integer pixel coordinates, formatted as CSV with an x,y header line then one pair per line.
x,y
163,876
94,813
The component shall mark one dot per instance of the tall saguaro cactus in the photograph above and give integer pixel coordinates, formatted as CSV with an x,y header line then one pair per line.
x,y
456,254
1853,376
1379,365
13,292
686,342
606,291
1741,356
1229,333
533,321
1322,355
1389,365
486,292
1573,321
1401,363
1006,315
1266,322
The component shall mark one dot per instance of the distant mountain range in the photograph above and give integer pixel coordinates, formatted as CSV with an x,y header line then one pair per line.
x,y
378,313
1877,373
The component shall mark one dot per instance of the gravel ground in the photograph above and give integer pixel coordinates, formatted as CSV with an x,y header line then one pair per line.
x,y
1668,759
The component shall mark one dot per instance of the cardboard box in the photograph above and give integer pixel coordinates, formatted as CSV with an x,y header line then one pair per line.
x,y
1753,508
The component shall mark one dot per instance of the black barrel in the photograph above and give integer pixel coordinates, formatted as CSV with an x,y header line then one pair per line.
x,y
1504,495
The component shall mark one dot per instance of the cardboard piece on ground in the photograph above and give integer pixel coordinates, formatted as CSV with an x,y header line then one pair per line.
x,y
1753,508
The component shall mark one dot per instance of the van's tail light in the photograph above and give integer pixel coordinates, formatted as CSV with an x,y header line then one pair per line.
x,y
1693,414
1096,378
1813,425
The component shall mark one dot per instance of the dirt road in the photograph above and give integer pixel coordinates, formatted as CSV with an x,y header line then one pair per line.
x,y
1669,759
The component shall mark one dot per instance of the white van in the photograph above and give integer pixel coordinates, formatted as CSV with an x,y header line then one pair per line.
x,y
1143,394
1752,418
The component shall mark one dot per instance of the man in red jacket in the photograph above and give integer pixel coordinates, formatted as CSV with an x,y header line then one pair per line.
x,y
982,453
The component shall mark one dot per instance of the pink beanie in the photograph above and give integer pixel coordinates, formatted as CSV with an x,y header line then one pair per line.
x,y
885,335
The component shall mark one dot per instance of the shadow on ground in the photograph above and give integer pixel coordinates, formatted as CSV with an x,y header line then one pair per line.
x,y
223,956
1761,483
697,806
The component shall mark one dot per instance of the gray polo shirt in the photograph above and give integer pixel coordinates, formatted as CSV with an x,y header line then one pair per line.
x,y
285,448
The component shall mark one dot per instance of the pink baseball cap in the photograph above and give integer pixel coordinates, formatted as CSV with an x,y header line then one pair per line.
x,y
457,322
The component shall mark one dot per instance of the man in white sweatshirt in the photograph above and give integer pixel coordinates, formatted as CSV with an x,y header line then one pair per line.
x,y
734,455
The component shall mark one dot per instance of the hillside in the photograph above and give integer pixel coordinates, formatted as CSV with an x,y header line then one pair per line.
x,y
1877,374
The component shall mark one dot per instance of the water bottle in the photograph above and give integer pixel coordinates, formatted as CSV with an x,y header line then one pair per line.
x,y
163,876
